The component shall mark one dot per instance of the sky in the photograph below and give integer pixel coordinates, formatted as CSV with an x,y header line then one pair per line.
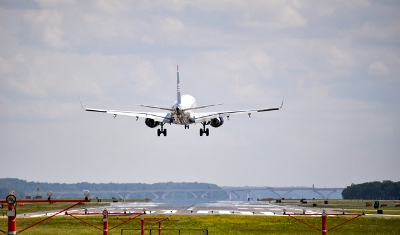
x,y
336,63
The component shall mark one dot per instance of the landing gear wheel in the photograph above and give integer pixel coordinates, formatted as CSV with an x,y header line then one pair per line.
x,y
204,130
162,130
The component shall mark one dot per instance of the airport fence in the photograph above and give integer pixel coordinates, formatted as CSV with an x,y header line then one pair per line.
x,y
169,231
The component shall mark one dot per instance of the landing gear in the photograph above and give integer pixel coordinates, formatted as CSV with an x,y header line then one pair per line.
x,y
204,130
162,130
186,126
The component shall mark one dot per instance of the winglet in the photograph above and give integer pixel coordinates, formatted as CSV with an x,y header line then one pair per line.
x,y
282,102
81,103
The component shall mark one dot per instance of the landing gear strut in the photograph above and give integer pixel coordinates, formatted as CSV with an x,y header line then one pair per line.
x,y
204,130
162,130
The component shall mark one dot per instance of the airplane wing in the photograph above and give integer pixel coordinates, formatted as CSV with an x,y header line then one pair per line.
x,y
204,117
161,117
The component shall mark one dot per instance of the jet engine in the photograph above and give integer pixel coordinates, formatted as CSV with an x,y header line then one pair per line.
x,y
151,123
192,119
217,122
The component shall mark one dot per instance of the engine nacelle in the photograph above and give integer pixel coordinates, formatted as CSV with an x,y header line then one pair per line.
x,y
217,122
192,119
151,123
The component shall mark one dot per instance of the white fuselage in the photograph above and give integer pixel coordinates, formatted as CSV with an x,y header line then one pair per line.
x,y
180,115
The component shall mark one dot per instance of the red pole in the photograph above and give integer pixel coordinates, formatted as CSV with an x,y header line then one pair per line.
x,y
324,227
142,225
105,222
12,221
159,227
11,200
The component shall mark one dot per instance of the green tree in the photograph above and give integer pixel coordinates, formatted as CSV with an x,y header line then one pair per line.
x,y
373,190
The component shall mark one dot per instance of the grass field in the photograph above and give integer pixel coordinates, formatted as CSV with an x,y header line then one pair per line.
x,y
216,224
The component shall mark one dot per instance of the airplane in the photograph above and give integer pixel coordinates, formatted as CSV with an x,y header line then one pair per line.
x,y
182,112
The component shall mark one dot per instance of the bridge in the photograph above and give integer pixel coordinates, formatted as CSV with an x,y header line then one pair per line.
x,y
224,193
280,192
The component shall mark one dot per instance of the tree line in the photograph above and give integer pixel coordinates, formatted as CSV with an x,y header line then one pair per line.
x,y
373,190
21,187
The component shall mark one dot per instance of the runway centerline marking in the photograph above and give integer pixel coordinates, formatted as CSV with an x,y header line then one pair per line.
x,y
224,212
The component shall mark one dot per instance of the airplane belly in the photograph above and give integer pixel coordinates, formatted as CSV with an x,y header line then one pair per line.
x,y
182,119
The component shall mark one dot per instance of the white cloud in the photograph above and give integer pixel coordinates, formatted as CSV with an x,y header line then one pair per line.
x,y
5,66
327,58
48,24
54,3
147,40
276,14
240,73
341,58
113,7
171,25
375,31
53,76
378,68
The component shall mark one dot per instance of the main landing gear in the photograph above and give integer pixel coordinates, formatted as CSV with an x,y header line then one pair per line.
x,y
204,130
162,130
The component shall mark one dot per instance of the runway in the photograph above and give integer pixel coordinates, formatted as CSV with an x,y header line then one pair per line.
x,y
252,208
219,207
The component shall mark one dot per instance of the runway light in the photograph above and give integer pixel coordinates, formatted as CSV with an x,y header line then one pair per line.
x,y
49,194
86,193
11,199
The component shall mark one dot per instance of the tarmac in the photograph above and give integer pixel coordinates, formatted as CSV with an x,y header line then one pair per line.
x,y
166,209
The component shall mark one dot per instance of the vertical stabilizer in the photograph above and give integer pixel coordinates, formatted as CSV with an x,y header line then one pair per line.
x,y
178,98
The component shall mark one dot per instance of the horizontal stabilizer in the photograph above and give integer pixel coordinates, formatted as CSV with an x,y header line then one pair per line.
x,y
155,107
200,107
